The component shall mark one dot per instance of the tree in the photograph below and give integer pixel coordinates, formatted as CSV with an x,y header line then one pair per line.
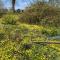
x,y
13,5
1,6
55,2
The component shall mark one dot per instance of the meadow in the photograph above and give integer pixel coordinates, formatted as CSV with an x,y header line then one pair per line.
x,y
17,34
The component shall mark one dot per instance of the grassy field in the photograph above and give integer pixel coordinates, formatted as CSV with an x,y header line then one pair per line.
x,y
17,37
16,40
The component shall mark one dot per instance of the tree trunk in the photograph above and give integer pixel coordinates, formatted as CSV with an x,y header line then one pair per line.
x,y
13,5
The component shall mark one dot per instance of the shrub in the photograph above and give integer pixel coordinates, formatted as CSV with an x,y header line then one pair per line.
x,y
49,32
10,19
53,33
42,14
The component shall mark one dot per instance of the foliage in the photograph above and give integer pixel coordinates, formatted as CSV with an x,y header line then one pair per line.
x,y
16,38
42,14
23,49
10,19
51,32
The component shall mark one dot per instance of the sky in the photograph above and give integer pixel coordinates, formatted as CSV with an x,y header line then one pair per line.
x,y
20,4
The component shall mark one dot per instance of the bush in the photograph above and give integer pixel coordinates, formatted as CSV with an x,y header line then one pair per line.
x,y
53,33
49,32
42,14
10,19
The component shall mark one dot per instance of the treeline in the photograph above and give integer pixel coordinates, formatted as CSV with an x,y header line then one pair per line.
x,y
42,14
10,10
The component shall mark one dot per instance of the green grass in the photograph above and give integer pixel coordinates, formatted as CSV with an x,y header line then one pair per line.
x,y
16,40
16,48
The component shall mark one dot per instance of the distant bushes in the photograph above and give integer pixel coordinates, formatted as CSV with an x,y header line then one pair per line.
x,y
42,14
